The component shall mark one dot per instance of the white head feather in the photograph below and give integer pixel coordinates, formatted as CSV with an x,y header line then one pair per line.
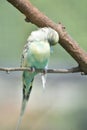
x,y
43,34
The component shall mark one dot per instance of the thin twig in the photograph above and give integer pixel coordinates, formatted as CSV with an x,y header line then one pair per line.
x,y
72,70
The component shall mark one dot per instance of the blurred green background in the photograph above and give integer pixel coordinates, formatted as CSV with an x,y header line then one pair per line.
x,y
63,105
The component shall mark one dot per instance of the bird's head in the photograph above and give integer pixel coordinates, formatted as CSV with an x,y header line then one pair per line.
x,y
45,33
53,37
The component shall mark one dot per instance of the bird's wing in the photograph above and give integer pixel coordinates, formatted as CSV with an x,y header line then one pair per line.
x,y
24,56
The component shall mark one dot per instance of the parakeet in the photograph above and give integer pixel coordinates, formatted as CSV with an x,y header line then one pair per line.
x,y
36,54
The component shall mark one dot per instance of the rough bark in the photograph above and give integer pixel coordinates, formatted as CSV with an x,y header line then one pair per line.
x,y
34,16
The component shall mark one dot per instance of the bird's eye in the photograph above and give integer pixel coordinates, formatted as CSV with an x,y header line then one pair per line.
x,y
52,42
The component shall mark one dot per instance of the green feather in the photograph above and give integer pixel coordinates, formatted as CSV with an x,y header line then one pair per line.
x,y
36,54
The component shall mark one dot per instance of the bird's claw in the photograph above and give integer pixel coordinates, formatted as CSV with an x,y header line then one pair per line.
x,y
44,71
32,69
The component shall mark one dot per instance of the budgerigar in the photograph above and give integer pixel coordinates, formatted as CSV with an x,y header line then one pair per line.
x,y
36,54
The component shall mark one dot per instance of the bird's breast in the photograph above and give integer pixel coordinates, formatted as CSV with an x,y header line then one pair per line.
x,y
39,53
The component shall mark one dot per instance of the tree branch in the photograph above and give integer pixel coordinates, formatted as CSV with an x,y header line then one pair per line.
x,y
72,70
34,16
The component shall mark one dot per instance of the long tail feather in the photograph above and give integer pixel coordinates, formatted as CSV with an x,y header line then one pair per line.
x,y
44,80
26,95
24,103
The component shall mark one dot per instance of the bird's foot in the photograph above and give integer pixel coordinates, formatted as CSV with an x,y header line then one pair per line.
x,y
45,71
33,69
